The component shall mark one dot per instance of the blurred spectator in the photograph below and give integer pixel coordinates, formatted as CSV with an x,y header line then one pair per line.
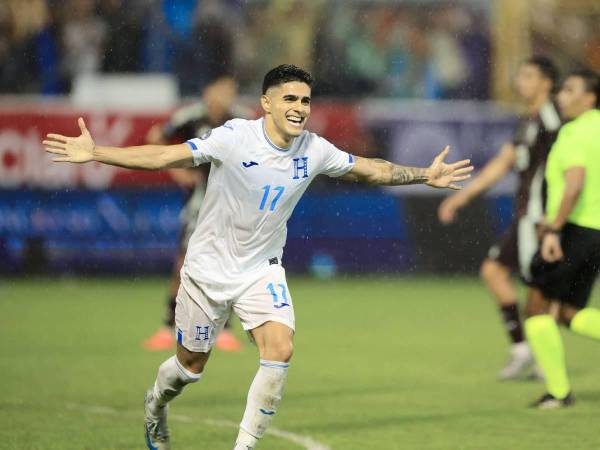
x,y
9,69
447,53
122,49
568,31
477,54
367,46
82,38
211,49
167,28
188,38
28,54
593,53
289,35
404,51
409,49
409,73
592,44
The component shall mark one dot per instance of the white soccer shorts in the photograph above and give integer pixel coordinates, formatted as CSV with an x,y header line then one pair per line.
x,y
199,319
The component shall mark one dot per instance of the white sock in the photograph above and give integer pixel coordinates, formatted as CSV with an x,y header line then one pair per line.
x,y
521,348
263,399
170,381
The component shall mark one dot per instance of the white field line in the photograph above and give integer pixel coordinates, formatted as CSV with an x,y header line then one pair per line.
x,y
305,442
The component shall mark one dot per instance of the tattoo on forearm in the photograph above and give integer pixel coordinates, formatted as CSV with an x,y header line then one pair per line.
x,y
407,175
386,173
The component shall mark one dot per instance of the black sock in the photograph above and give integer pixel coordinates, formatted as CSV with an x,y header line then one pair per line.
x,y
512,322
170,316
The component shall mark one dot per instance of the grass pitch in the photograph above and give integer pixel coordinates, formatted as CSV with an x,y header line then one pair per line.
x,y
380,363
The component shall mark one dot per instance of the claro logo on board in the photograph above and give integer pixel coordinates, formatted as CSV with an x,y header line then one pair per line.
x,y
25,164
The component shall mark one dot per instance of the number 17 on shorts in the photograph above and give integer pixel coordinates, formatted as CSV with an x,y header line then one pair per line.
x,y
268,299
279,295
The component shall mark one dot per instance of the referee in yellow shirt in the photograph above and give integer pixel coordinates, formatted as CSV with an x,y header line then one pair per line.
x,y
569,259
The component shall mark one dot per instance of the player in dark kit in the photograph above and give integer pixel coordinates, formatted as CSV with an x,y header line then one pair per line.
x,y
216,107
570,249
526,153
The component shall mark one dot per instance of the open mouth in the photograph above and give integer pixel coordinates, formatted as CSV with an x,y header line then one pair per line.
x,y
295,120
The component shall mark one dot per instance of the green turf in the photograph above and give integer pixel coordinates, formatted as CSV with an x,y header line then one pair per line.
x,y
380,363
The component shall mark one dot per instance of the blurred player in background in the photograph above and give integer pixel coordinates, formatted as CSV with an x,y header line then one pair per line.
x,y
570,248
259,171
526,153
216,107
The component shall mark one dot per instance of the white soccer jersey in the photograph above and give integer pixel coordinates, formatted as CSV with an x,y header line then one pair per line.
x,y
252,190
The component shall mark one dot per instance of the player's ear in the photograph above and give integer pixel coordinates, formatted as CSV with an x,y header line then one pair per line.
x,y
590,99
265,102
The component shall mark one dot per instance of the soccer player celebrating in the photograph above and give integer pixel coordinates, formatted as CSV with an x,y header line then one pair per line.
x,y
570,249
216,107
259,171
527,154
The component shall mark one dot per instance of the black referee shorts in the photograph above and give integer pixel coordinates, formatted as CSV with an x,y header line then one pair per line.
x,y
572,279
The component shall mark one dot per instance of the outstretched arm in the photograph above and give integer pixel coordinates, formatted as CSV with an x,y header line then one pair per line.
x,y
82,149
184,178
381,172
491,173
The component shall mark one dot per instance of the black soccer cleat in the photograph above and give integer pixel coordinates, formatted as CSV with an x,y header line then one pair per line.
x,y
548,401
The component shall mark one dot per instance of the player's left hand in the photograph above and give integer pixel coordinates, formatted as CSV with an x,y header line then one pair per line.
x,y
551,249
442,175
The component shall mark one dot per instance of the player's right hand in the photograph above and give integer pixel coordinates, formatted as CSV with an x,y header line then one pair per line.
x,y
76,150
551,248
448,209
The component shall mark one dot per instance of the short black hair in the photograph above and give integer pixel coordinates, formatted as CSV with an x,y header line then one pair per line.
x,y
546,67
591,81
218,78
284,74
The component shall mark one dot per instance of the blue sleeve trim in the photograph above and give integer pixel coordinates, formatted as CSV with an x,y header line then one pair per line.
x,y
350,158
191,144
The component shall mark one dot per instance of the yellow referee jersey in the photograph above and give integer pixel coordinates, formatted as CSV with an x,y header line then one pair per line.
x,y
577,145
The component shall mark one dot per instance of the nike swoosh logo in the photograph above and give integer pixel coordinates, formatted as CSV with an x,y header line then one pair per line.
x,y
267,412
249,164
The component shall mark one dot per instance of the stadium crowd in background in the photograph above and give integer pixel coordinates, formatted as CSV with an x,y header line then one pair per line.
x,y
388,49
374,49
